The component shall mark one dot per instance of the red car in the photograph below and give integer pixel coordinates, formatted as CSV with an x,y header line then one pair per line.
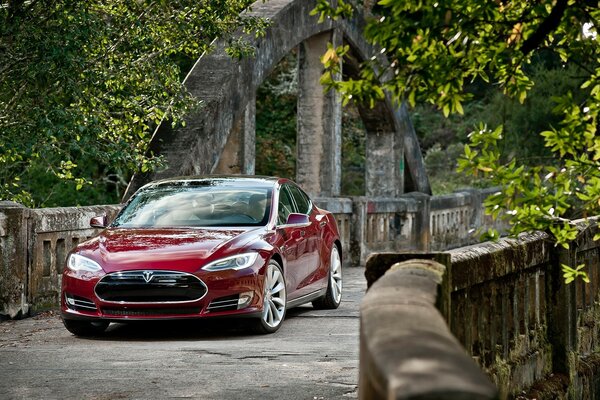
x,y
205,247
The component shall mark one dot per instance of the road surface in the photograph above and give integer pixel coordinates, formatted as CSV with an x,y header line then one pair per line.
x,y
313,356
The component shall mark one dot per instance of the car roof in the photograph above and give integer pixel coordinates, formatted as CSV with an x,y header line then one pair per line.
x,y
217,180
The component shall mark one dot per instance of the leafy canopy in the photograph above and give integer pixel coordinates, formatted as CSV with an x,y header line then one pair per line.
x,y
83,83
430,51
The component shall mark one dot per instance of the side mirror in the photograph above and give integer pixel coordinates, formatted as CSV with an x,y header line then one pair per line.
x,y
298,219
98,222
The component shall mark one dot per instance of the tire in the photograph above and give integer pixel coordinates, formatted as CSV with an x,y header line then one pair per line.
x,y
333,296
274,305
85,328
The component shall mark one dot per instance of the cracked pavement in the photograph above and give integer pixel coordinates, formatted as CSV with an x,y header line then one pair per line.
x,y
313,356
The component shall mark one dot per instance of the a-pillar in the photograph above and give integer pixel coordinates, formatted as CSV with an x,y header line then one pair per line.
x,y
319,126
239,154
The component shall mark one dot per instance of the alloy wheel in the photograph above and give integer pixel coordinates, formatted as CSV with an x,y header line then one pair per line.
x,y
274,296
335,276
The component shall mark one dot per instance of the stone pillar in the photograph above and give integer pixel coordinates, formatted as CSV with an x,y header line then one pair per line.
x,y
414,169
562,311
422,233
239,154
13,260
358,231
384,164
319,129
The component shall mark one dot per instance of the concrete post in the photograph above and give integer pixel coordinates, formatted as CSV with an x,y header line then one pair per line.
x,y
14,263
358,230
562,313
249,132
319,116
239,154
422,232
415,174
384,160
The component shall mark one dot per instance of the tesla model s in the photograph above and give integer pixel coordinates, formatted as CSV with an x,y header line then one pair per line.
x,y
200,247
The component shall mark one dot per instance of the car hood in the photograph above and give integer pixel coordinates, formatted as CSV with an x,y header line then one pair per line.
x,y
119,249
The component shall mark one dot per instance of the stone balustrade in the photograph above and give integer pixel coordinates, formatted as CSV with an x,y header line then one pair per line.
x,y
509,307
406,349
34,242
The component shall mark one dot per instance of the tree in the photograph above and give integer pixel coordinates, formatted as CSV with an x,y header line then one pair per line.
x,y
83,83
431,49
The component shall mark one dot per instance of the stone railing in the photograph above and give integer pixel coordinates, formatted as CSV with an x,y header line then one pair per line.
x,y
508,305
34,242
33,246
413,221
406,349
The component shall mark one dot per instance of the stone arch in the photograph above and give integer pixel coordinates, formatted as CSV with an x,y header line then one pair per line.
x,y
219,137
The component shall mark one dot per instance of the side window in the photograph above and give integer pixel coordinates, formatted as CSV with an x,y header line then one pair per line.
x,y
285,206
301,199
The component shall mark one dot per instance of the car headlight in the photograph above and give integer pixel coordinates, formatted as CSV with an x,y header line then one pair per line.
x,y
238,261
81,263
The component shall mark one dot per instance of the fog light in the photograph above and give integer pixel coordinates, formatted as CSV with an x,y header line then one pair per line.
x,y
70,300
245,299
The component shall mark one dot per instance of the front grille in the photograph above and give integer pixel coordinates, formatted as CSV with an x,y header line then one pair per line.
x,y
150,287
148,312
224,303
79,303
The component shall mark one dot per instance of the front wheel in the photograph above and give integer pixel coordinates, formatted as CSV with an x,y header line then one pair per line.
x,y
274,296
333,297
85,328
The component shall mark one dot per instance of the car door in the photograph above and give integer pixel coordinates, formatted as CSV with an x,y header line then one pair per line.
x,y
310,246
293,240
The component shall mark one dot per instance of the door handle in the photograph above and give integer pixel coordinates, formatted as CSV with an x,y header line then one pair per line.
x,y
323,223
302,233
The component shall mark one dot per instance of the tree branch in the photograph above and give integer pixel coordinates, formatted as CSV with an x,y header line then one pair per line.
x,y
547,26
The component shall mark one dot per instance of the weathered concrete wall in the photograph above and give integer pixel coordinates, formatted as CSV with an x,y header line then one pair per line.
x,y
226,86
406,348
13,260
35,242
415,221
319,121
508,305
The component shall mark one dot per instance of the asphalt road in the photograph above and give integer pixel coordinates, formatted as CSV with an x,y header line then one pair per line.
x,y
313,356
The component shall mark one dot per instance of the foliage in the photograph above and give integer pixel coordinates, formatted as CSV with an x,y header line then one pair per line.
x,y
440,137
83,83
354,142
276,121
441,164
431,50
570,274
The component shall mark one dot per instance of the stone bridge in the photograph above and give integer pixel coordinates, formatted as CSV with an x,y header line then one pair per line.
x,y
505,304
220,136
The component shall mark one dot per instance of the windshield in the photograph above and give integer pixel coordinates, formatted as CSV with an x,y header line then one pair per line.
x,y
197,206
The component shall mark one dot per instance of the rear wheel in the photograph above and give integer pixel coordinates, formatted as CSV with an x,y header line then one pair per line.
x,y
333,296
274,296
85,328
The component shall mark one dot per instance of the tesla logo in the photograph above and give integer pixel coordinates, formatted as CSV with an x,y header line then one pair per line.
x,y
147,276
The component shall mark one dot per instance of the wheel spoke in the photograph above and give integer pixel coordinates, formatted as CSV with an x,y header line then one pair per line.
x,y
275,277
274,310
269,313
278,288
278,301
337,290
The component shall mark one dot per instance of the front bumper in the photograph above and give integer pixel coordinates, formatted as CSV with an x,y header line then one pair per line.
x,y
228,293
